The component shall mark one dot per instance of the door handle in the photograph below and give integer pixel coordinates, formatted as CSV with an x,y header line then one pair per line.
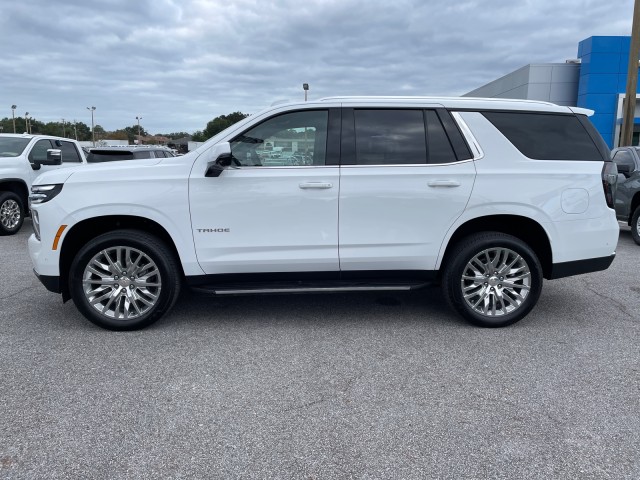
x,y
307,185
444,183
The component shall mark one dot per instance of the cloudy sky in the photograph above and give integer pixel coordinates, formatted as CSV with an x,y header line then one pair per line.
x,y
180,63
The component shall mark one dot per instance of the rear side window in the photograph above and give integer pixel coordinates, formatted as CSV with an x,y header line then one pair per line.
x,y
145,154
546,136
390,137
98,156
69,152
440,149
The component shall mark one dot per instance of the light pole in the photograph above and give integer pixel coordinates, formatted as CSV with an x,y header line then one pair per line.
x,y
13,116
93,134
75,130
63,132
138,119
26,121
305,87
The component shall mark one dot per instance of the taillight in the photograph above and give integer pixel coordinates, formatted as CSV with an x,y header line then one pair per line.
x,y
609,181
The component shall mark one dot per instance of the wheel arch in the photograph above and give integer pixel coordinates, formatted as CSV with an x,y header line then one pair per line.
x,y
635,203
17,186
90,228
523,228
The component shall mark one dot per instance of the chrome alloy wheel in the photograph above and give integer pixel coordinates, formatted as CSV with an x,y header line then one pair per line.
x,y
10,214
496,282
638,226
121,283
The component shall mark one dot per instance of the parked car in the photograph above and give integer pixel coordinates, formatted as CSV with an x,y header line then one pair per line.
x,y
22,159
486,197
127,152
627,200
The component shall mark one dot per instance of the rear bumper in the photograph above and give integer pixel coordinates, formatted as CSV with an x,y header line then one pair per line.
x,y
578,267
51,283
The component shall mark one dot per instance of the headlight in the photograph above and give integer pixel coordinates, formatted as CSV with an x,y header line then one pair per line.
x,y
44,193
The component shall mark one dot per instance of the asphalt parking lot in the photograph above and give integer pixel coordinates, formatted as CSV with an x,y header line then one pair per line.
x,y
323,386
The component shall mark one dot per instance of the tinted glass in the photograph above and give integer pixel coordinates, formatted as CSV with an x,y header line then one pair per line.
x,y
39,150
390,137
69,152
546,136
440,149
12,147
98,156
292,139
144,154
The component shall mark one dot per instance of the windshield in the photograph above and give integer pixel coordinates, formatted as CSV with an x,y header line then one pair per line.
x,y
12,146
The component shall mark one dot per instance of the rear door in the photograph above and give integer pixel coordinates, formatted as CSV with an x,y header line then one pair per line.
x,y
406,175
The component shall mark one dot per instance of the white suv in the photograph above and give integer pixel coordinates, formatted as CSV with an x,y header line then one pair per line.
x,y
487,197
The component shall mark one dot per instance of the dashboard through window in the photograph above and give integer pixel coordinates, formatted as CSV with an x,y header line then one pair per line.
x,y
292,139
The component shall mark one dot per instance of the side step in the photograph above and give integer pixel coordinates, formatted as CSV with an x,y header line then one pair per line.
x,y
305,287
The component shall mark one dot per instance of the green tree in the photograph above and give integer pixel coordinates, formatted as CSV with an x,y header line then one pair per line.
x,y
218,124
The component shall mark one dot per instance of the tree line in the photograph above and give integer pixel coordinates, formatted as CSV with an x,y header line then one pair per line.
x,y
82,132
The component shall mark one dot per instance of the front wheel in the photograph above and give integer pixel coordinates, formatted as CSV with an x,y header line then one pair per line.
x,y
11,213
124,280
492,279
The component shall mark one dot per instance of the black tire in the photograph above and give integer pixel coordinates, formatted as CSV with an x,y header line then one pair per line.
x,y
149,275
480,287
12,213
635,225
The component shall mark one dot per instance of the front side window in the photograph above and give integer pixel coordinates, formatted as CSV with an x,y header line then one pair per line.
x,y
39,151
69,152
623,158
292,139
390,137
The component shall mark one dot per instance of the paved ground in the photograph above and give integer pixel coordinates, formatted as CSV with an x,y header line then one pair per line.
x,y
323,387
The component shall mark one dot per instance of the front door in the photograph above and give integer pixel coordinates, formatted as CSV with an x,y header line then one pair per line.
x,y
70,155
276,208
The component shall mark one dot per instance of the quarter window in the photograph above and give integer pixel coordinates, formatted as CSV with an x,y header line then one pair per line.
x,y
546,136
292,139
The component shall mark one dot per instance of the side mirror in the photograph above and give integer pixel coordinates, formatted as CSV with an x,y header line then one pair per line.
x,y
54,157
222,161
220,165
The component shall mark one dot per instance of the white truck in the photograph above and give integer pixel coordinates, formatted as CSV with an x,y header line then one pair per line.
x,y
22,159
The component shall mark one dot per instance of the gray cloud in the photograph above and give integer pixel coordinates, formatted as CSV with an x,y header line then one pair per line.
x,y
179,64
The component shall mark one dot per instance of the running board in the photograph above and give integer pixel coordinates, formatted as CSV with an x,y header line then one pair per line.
x,y
303,288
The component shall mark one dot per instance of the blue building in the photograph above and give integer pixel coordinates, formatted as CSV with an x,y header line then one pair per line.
x,y
596,80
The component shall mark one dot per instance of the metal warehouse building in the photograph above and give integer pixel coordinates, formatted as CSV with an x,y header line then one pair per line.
x,y
596,80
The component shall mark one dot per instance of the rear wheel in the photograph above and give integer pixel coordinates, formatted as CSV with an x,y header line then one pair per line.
x,y
635,225
492,279
124,280
11,213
